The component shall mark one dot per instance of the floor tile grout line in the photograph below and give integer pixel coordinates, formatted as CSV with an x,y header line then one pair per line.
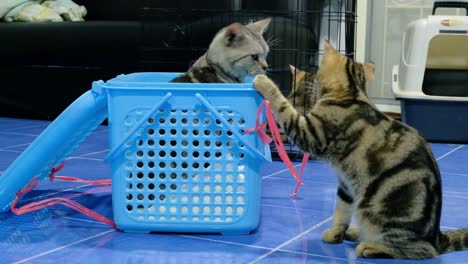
x,y
264,248
448,227
305,181
455,196
278,172
83,158
288,207
455,193
453,173
25,127
225,242
15,121
9,150
19,134
95,152
18,145
65,246
292,240
320,256
84,220
450,152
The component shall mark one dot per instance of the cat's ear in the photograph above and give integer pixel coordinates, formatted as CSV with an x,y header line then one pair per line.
x,y
328,48
369,70
233,34
294,70
330,55
259,26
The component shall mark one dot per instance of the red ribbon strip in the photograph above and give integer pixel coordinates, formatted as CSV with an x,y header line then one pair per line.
x,y
34,206
276,138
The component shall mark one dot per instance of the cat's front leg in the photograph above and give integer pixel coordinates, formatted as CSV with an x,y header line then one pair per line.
x,y
267,88
306,132
341,220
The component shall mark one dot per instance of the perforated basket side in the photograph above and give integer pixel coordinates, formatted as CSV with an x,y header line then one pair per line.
x,y
185,167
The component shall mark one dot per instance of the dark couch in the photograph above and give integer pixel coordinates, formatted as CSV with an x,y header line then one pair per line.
x,y
45,66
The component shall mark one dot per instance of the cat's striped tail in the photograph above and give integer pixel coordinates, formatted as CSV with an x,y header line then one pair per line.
x,y
453,240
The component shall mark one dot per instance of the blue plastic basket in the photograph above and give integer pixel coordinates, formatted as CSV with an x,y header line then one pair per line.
x,y
180,160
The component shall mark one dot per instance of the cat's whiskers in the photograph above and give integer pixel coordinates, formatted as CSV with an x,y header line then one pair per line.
x,y
272,41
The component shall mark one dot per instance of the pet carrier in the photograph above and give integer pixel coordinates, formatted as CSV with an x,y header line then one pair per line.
x,y
431,80
180,160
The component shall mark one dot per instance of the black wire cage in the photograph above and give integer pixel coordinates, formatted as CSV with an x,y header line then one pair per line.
x,y
176,33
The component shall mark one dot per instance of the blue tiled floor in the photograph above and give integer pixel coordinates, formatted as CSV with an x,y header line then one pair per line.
x,y
290,229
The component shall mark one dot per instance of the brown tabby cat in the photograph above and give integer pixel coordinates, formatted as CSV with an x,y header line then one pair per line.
x,y
237,51
389,178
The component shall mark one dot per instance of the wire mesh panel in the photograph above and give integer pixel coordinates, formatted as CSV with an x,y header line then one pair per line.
x,y
177,33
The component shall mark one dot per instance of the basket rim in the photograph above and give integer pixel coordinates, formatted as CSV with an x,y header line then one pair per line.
x,y
160,81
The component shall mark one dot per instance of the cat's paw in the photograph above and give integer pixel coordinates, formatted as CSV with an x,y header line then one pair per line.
x,y
333,236
372,250
261,79
352,234
264,85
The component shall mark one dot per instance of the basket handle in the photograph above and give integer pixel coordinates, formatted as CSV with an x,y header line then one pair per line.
x,y
236,134
118,149
450,4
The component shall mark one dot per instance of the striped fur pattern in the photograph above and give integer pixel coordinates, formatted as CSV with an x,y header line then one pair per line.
x,y
237,51
304,93
304,90
388,178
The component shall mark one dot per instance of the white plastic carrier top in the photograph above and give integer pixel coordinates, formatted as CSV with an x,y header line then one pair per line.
x,y
435,42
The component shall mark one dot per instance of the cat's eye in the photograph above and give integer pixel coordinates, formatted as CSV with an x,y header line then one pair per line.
x,y
255,57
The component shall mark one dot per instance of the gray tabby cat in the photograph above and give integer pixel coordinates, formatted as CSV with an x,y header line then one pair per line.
x,y
236,52
388,177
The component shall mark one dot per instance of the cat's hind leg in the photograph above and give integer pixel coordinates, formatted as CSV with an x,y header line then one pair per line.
x,y
373,250
409,250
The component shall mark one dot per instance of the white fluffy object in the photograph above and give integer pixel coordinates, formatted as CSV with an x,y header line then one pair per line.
x,y
41,11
